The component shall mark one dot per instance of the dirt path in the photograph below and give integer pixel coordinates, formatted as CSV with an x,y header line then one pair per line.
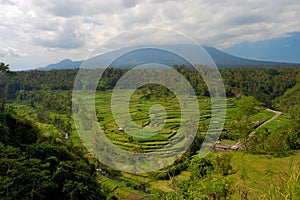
x,y
277,114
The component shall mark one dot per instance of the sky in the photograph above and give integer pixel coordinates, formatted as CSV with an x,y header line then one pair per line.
x,y
284,49
36,33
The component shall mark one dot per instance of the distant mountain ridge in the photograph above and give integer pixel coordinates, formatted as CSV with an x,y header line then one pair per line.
x,y
220,58
64,64
223,59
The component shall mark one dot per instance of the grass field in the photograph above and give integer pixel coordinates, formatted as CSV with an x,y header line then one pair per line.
x,y
257,172
281,122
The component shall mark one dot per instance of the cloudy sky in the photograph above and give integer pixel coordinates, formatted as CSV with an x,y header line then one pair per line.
x,y
39,32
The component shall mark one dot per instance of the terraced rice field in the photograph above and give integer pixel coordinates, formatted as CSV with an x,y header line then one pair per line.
x,y
140,113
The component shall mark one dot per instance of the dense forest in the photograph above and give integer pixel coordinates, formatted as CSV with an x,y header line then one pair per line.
x,y
42,164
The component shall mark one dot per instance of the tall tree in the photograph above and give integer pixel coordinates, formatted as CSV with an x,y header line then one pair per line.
x,y
4,70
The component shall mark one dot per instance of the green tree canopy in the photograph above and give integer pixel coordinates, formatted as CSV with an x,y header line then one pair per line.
x,y
247,107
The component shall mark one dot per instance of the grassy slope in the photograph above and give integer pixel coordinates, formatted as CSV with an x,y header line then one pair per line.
x,y
281,122
259,170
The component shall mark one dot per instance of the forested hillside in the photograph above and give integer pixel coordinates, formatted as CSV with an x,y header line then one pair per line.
x,y
33,166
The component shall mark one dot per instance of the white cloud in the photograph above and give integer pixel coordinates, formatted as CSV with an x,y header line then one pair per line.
x,y
69,28
65,36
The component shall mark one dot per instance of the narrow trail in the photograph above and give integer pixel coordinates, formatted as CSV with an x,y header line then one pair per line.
x,y
277,114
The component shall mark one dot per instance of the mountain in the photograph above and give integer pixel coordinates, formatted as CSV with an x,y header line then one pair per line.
x,y
64,64
157,55
223,59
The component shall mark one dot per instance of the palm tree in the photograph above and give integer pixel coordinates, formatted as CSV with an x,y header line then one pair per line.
x,y
4,70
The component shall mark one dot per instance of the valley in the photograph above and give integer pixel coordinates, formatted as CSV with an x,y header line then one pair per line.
x,y
269,155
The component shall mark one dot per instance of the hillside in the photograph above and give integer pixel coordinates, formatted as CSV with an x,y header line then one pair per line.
x,y
41,125
36,165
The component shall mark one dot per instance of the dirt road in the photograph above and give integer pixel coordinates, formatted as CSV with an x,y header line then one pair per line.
x,y
277,114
